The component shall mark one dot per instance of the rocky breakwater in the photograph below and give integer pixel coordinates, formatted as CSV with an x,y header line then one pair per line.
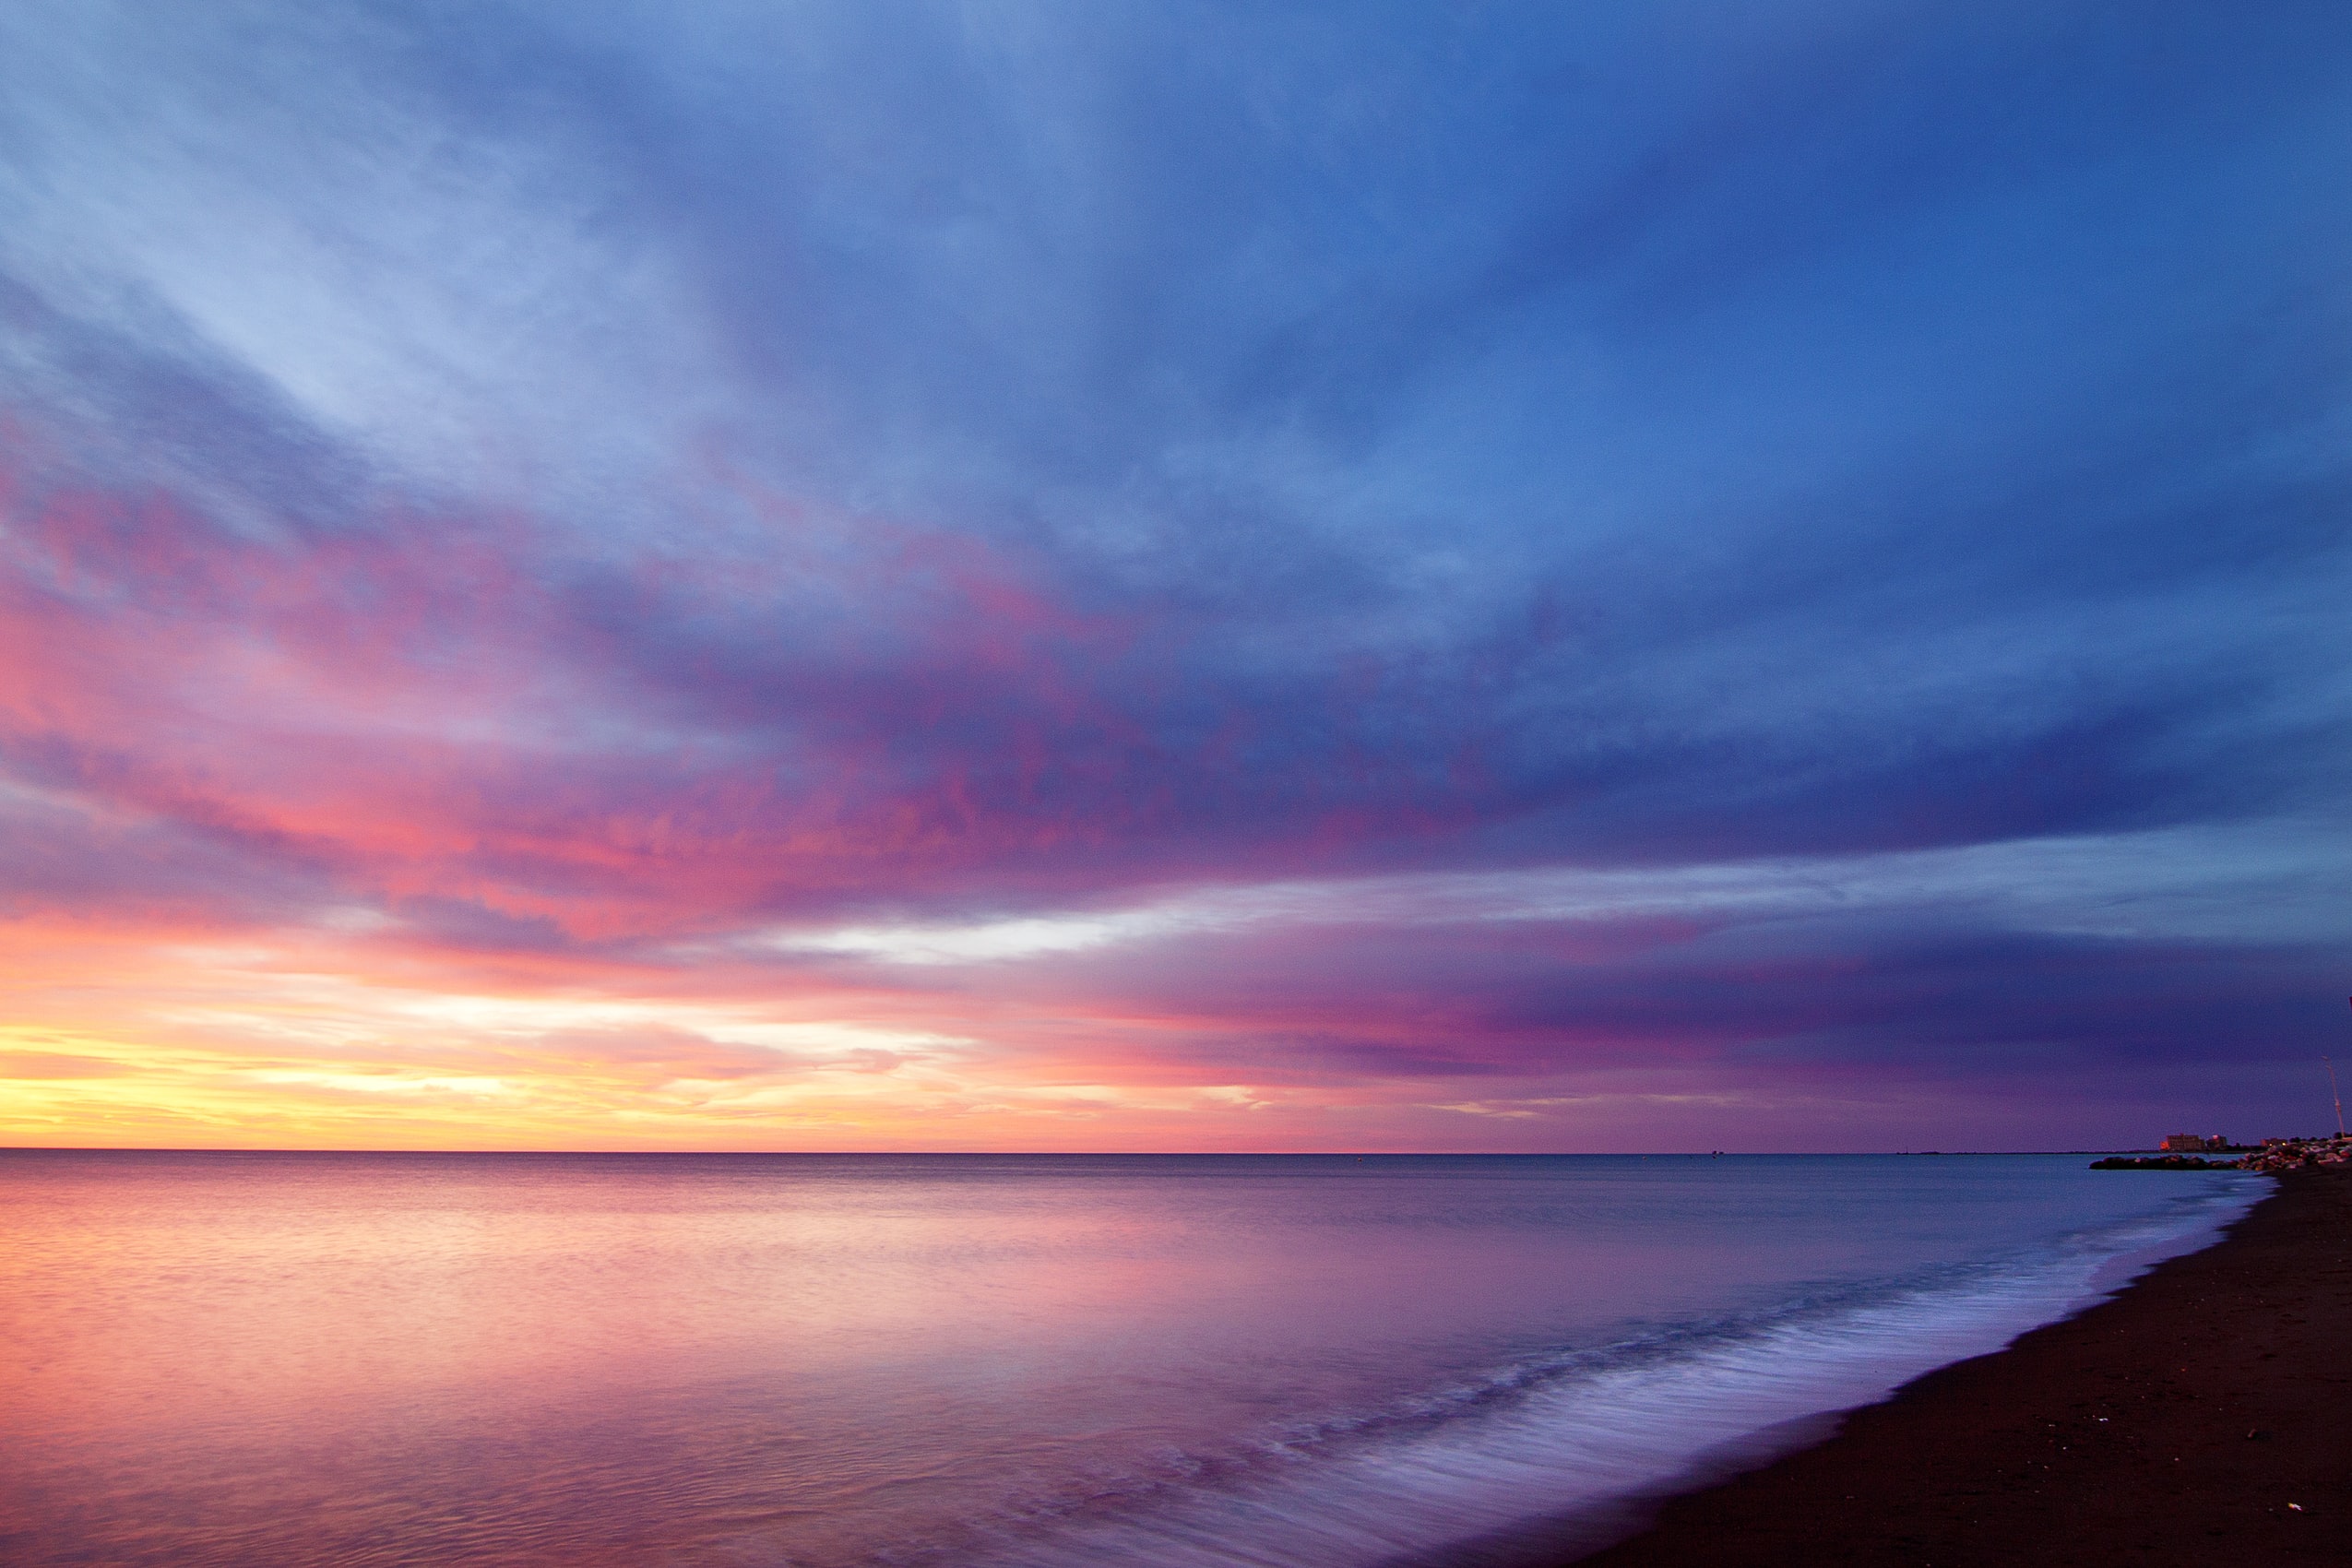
x,y
2275,1155
2296,1153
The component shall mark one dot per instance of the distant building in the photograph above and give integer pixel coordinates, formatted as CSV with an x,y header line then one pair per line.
x,y
2194,1143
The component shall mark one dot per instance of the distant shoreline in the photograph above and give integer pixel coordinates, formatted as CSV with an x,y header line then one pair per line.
x,y
279,1150
2183,1416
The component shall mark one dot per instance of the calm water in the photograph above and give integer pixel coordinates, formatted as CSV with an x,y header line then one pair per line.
x,y
952,1359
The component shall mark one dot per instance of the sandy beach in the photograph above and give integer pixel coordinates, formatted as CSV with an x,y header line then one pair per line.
x,y
2206,1409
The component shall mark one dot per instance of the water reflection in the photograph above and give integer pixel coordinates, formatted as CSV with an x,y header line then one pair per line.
x,y
825,1359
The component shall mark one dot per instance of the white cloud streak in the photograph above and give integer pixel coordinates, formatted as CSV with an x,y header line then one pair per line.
x,y
2273,881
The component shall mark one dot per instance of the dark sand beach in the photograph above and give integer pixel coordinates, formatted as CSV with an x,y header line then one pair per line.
x,y
2205,1412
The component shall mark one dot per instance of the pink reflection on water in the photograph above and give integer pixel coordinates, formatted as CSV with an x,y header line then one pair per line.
x,y
263,1360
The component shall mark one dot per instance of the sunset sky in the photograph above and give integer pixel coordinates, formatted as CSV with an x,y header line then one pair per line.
x,y
1088,575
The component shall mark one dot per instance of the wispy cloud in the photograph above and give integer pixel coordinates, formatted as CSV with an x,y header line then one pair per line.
x,y
1199,575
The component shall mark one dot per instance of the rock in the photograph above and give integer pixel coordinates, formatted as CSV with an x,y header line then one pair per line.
x,y
2297,1154
2275,1155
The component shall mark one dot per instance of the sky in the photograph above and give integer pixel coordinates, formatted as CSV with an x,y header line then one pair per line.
x,y
810,575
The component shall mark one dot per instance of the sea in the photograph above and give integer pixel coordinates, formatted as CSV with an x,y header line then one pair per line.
x,y
1196,1361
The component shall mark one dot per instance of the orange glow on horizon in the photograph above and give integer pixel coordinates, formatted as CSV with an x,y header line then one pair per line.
x,y
166,1037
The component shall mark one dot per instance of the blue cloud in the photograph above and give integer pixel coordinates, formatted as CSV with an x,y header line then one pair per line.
x,y
930,458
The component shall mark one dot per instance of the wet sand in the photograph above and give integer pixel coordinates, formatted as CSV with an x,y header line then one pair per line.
x,y
2205,1411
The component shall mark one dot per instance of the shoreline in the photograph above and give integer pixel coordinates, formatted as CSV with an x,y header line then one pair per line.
x,y
2115,1435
